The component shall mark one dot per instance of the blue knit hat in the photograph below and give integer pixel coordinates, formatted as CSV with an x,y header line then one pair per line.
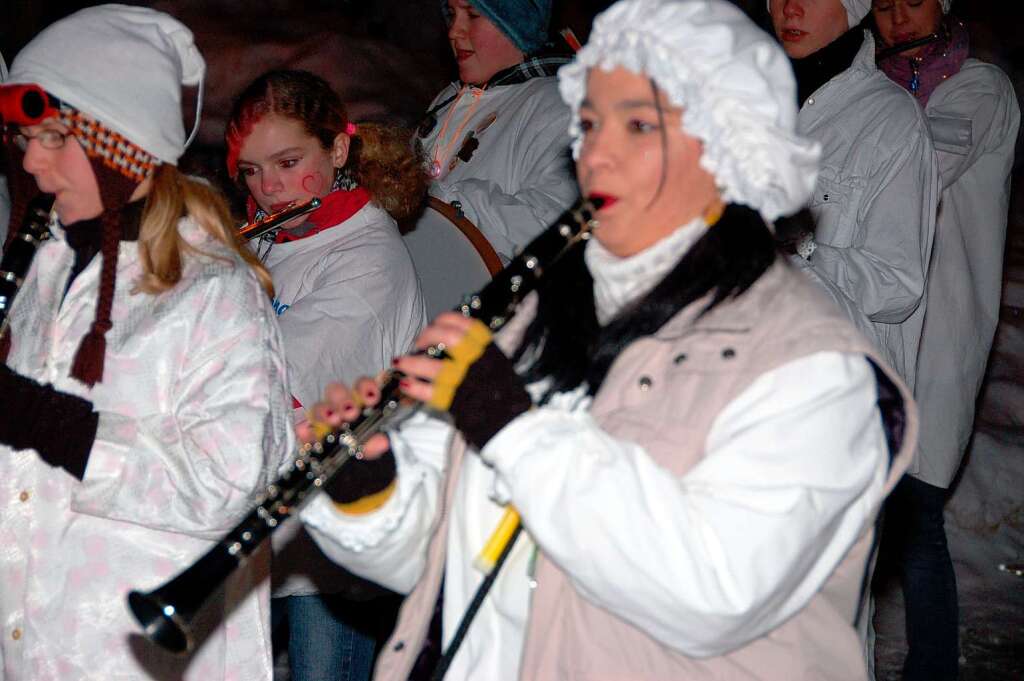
x,y
524,21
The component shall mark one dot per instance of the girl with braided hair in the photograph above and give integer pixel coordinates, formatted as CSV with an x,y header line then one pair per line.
x,y
143,378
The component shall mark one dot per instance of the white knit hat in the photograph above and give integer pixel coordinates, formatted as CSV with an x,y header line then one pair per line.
x,y
122,65
856,10
733,82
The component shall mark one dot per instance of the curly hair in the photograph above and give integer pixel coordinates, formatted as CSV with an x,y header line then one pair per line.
x,y
381,157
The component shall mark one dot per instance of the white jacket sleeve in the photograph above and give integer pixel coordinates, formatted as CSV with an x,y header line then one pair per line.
x,y
971,116
511,220
195,463
883,272
793,471
389,545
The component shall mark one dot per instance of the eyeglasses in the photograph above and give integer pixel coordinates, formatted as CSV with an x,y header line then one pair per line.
x,y
48,139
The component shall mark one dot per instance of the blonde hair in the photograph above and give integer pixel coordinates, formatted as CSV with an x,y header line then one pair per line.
x,y
161,247
383,161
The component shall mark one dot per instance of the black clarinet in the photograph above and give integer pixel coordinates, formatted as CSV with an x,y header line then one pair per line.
x,y
166,613
20,252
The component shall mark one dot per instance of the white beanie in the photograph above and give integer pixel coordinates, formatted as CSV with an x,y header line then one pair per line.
x,y
733,82
856,10
122,65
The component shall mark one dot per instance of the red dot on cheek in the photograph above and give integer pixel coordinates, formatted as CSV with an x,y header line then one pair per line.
x,y
313,184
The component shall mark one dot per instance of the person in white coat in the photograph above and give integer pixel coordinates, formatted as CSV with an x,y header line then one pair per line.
x,y
143,377
679,523
874,204
974,119
497,142
347,299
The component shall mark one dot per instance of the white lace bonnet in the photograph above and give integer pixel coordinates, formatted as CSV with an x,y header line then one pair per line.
x,y
733,82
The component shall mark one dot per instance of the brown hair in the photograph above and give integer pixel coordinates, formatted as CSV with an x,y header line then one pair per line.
x,y
381,157
161,247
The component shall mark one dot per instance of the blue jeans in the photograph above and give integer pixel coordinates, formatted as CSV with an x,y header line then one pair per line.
x,y
322,645
915,538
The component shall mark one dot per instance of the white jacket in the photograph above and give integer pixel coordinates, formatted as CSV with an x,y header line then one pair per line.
x,y
193,419
874,204
348,301
974,120
520,178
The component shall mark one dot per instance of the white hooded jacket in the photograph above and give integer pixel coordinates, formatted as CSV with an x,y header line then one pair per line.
x,y
193,421
874,204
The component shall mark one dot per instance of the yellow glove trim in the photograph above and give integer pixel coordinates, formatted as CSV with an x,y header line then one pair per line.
x,y
460,357
320,429
369,503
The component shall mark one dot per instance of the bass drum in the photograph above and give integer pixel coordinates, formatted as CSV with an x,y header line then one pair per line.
x,y
452,257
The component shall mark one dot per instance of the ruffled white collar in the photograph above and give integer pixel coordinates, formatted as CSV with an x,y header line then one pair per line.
x,y
619,281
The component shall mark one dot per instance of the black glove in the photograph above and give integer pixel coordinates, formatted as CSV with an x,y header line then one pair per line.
x,y
362,478
491,395
59,426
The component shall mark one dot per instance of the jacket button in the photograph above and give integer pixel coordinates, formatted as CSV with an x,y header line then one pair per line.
x,y
645,383
398,646
810,100
23,497
680,358
728,353
16,634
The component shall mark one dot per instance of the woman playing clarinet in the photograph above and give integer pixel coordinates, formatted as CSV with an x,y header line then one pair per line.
x,y
695,440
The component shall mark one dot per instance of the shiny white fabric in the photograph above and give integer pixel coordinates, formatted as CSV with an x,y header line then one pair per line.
x,y
520,178
348,300
874,205
732,81
974,118
193,419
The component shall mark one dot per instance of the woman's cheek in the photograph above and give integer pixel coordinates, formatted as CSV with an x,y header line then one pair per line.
x,y
314,183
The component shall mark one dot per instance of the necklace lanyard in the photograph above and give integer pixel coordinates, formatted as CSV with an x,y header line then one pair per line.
x,y
444,152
